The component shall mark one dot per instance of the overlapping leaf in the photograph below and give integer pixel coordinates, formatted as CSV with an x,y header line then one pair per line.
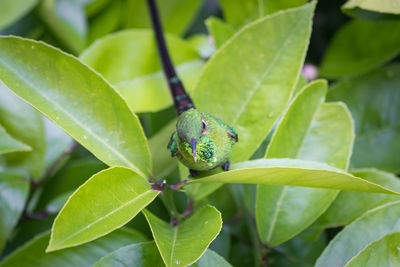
x,y
9,144
12,10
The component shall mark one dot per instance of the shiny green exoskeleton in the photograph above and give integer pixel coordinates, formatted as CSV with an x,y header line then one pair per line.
x,y
202,141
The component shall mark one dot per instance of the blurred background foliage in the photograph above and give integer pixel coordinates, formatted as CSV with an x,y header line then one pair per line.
x,y
352,46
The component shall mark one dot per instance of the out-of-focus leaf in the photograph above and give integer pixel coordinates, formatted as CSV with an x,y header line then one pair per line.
x,y
239,12
360,46
374,101
211,258
288,172
357,203
354,238
176,15
255,74
77,99
13,193
382,6
33,253
129,60
219,30
383,252
24,123
183,244
105,22
8,144
92,7
67,20
119,194
202,44
135,255
12,10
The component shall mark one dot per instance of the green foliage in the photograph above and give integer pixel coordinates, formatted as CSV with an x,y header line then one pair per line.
x,y
83,137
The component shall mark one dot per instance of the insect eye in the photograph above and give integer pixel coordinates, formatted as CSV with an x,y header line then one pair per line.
x,y
203,125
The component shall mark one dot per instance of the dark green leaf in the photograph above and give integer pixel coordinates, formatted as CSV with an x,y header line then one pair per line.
x,y
12,10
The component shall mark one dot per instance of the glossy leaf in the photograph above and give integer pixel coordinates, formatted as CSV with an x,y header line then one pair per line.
x,y
176,15
239,13
383,6
139,255
372,226
67,21
309,131
360,46
129,60
24,123
357,203
255,73
120,194
12,10
8,144
164,164
219,30
288,171
374,101
77,99
33,253
383,252
183,244
13,194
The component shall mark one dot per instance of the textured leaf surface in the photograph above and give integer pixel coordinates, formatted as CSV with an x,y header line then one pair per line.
x,y
254,74
383,252
384,6
309,131
33,253
108,200
176,15
348,206
372,226
13,193
136,255
374,101
360,46
292,172
25,124
184,244
76,99
8,144
12,10
129,61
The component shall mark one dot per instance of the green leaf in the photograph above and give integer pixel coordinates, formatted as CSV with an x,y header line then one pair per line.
x,y
383,252
353,239
129,60
33,253
211,258
239,12
357,203
255,73
374,101
8,144
67,21
360,46
105,22
308,131
183,244
24,123
383,6
176,15
77,99
219,30
13,194
164,164
288,172
12,10
140,255
120,194
202,44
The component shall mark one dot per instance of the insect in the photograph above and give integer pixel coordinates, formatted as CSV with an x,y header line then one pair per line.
x,y
201,140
